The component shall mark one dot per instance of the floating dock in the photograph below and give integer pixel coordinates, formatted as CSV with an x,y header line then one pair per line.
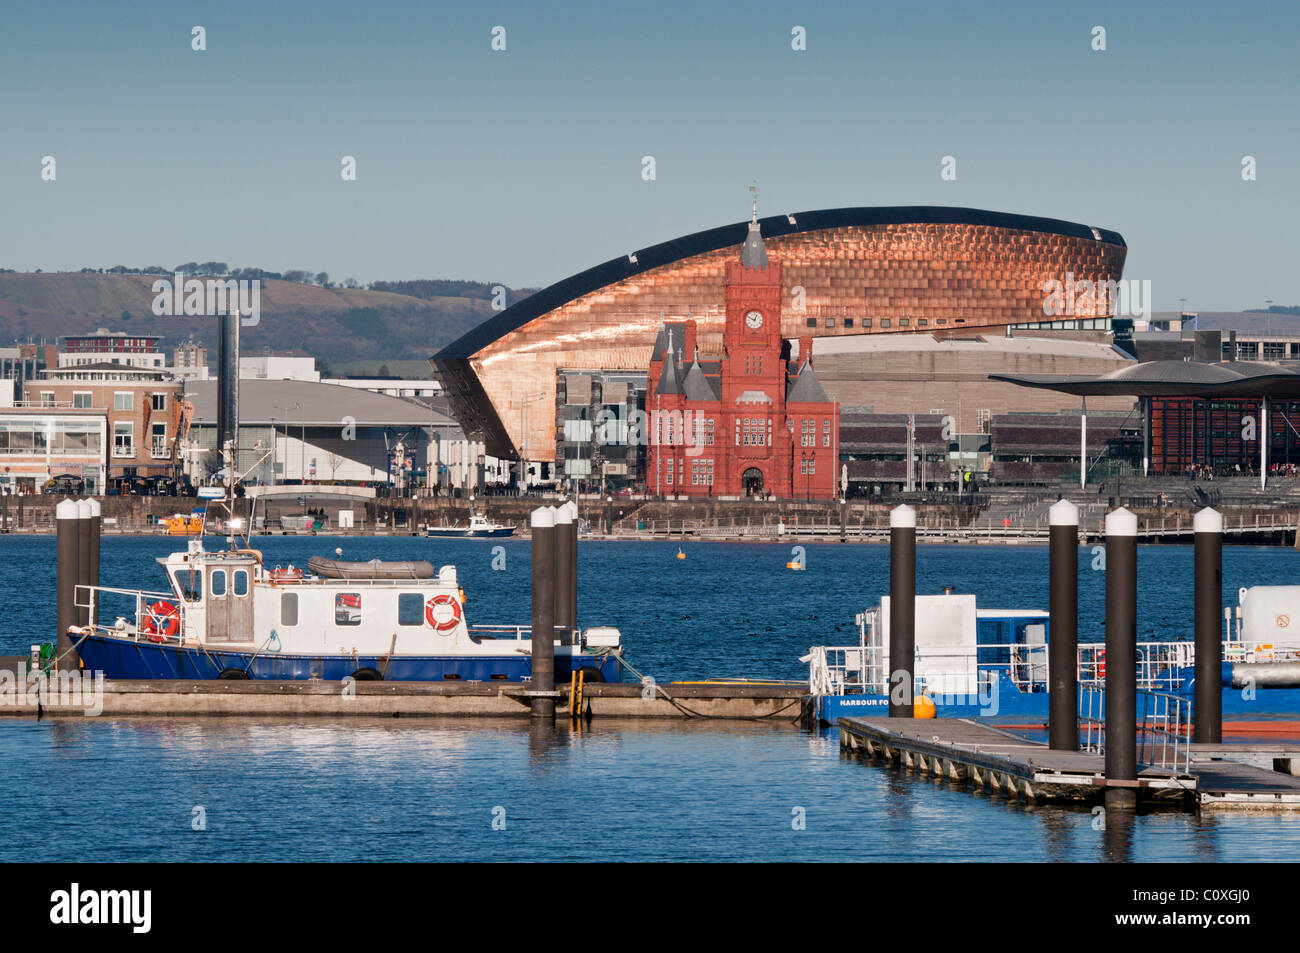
x,y
176,698
1003,764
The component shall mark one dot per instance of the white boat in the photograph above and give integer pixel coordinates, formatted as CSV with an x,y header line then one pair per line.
x,y
226,615
478,527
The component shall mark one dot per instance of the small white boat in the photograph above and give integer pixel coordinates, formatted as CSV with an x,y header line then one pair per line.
x,y
479,527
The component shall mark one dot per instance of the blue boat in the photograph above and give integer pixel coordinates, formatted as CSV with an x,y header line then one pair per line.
x,y
992,664
225,615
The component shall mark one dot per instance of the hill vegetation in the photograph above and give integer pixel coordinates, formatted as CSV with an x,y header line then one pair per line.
x,y
300,312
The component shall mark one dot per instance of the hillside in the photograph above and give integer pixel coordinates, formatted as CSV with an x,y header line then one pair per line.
x,y
336,324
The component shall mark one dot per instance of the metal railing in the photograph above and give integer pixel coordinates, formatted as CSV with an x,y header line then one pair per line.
x,y
124,628
1161,665
1164,731
1164,728
860,669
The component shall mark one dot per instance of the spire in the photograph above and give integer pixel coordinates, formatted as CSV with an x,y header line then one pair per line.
x,y
753,254
670,381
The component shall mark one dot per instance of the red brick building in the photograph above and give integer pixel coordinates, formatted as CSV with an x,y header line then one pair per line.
x,y
751,421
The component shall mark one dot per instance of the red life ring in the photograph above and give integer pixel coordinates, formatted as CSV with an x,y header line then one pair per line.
x,y
1101,663
445,620
163,623
286,575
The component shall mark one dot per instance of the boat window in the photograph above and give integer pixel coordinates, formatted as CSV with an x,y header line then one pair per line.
x,y
347,608
289,608
241,582
190,585
410,608
218,582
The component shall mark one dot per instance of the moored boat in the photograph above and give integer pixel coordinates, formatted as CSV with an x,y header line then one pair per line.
x,y
992,664
478,527
225,615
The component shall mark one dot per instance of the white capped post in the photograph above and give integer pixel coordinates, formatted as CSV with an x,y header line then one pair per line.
x,y
902,517
1063,513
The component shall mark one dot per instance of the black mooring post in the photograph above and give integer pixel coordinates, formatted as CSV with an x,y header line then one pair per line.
x,y
1063,644
1121,658
96,531
83,558
65,588
565,543
902,610
572,621
844,518
1207,529
543,632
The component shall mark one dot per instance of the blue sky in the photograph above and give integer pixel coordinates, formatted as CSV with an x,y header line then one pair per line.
x,y
524,166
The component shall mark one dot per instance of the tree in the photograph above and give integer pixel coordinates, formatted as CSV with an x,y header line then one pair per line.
x,y
126,315
323,279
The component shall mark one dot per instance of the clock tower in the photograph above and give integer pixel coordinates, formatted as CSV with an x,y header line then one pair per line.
x,y
748,423
751,337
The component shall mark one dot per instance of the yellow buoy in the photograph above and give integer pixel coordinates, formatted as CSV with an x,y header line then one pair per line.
x,y
680,554
793,565
922,707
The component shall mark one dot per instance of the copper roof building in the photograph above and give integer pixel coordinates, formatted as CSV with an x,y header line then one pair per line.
x,y
848,271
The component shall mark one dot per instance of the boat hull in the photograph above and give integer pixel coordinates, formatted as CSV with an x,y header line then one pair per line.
x,y
501,533
127,658
1011,706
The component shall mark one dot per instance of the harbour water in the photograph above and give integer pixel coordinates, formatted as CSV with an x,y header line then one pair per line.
x,y
100,789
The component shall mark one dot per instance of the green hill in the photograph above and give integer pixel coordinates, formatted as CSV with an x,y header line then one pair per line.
x,y
337,324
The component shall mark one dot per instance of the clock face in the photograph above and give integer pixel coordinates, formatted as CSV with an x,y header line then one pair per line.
x,y
754,319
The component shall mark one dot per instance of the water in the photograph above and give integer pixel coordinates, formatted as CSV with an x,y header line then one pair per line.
x,y
128,789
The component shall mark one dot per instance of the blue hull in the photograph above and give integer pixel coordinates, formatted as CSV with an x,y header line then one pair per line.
x,y
119,658
1009,705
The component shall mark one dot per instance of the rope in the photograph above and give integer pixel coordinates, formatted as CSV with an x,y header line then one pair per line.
x,y
690,713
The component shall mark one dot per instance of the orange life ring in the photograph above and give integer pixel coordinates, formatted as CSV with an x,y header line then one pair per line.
x,y
163,623
445,620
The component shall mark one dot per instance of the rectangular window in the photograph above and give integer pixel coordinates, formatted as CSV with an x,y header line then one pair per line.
x,y
830,322
670,471
866,323
241,582
158,401
158,440
848,322
812,322
884,322
904,322
289,609
410,608
47,398
123,445
826,433
218,583
123,400
347,608
81,399
710,432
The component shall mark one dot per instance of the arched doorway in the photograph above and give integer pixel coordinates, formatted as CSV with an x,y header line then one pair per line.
x,y
752,481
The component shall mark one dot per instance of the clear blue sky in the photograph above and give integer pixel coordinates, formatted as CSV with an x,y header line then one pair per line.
x,y
525,166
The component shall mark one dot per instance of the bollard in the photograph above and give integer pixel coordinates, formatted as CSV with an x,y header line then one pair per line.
x,y
83,557
844,518
1207,529
573,568
1121,657
20,511
66,524
543,631
902,610
565,545
92,579
609,515
1063,608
